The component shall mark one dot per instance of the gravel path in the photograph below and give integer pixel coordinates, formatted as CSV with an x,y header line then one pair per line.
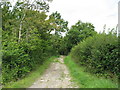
x,y
56,76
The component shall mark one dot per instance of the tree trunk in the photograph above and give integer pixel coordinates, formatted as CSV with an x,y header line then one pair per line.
x,y
20,29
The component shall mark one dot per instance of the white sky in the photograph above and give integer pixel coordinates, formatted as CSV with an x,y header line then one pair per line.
x,y
97,12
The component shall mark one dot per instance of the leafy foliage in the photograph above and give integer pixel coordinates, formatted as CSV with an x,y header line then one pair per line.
x,y
76,34
99,53
85,79
26,41
59,25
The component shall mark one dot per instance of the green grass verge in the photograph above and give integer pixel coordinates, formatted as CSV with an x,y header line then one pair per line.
x,y
85,79
31,77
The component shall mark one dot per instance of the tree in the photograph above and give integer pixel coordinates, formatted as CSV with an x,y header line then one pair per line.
x,y
58,24
25,42
78,33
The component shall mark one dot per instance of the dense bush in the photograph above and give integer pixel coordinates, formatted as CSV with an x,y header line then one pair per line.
x,y
26,39
16,62
99,53
21,58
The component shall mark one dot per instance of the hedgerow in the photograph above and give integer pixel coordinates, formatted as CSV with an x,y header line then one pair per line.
x,y
26,37
99,53
19,59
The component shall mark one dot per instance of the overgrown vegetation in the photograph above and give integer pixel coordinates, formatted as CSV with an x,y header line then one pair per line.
x,y
76,34
30,37
85,79
98,53
32,77
27,39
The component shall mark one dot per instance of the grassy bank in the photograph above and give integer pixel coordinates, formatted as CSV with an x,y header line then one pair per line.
x,y
85,79
32,77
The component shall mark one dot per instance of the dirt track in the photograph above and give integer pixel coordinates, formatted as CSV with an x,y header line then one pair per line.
x,y
56,76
